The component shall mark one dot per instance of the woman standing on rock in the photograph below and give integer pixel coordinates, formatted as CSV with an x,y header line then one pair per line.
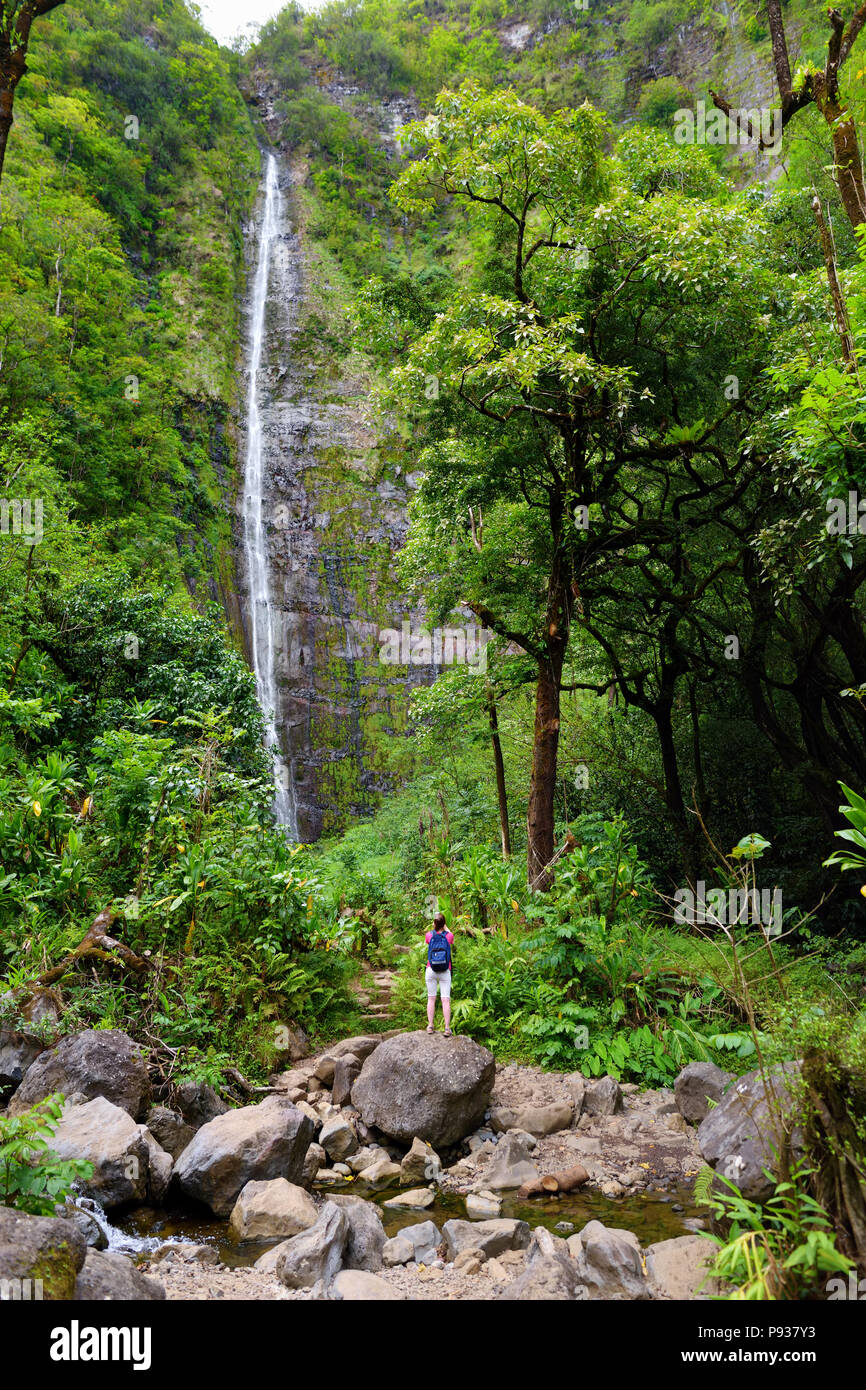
x,y
439,972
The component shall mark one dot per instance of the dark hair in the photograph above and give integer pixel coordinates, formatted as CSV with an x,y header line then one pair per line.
x,y
439,922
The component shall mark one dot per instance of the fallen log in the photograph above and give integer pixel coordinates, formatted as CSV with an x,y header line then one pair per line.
x,y
96,942
565,1181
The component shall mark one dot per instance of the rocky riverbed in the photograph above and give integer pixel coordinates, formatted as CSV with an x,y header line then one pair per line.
x,y
383,1168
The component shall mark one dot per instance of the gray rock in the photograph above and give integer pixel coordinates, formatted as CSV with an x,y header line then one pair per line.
x,y
534,1119
110,1277
98,1062
511,1165
316,1254
268,1140
397,1251
608,1262
753,1128
679,1268
421,1163
199,1103
481,1206
423,1238
352,1285
416,1199
427,1085
603,1097
382,1173
186,1252
696,1084
549,1275
345,1071
169,1129
46,1248
490,1236
89,1217
338,1138
104,1135
315,1159
265,1210
159,1168
366,1239
18,1052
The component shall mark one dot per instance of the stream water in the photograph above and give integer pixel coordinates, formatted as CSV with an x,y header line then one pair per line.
x,y
261,608
650,1216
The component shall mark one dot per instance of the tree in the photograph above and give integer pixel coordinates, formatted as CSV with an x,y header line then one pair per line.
x,y
821,88
16,18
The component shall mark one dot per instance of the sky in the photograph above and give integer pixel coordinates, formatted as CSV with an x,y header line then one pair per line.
x,y
225,18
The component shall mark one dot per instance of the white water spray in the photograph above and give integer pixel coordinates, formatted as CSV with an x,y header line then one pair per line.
x,y
261,612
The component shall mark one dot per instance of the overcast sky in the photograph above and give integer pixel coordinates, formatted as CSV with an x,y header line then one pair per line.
x,y
225,18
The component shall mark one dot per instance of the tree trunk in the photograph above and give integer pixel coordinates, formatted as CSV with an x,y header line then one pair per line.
x,y
542,787
501,794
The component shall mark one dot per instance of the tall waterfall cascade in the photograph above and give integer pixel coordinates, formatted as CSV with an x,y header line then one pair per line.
x,y
262,614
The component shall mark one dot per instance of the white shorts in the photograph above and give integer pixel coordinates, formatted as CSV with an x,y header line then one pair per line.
x,y
440,980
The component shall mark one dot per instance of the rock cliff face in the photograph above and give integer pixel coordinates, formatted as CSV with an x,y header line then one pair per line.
x,y
334,516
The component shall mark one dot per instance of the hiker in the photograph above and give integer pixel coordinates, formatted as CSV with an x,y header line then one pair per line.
x,y
439,972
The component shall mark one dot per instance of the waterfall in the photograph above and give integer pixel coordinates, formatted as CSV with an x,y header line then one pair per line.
x,y
260,610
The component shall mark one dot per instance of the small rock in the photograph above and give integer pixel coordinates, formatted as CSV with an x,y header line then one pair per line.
x,y
417,1199
482,1205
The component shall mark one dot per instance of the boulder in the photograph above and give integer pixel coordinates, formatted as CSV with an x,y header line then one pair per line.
x,y
105,1135
382,1173
397,1251
696,1084
315,1254
325,1067
416,1199
345,1070
752,1128
338,1138
199,1103
425,1085
18,1052
534,1119
608,1262
169,1129
256,1142
352,1285
423,1238
603,1097
45,1248
549,1276
366,1157
265,1210
267,1263
421,1163
481,1206
366,1238
89,1217
159,1168
315,1159
359,1047
679,1268
511,1166
110,1277
98,1062
492,1237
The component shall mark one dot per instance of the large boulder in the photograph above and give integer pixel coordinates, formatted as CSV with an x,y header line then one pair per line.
x,y
345,1071
106,1136
110,1277
47,1249
754,1127
427,1085
534,1119
698,1083
492,1237
316,1254
18,1052
265,1210
366,1239
268,1140
608,1262
98,1062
